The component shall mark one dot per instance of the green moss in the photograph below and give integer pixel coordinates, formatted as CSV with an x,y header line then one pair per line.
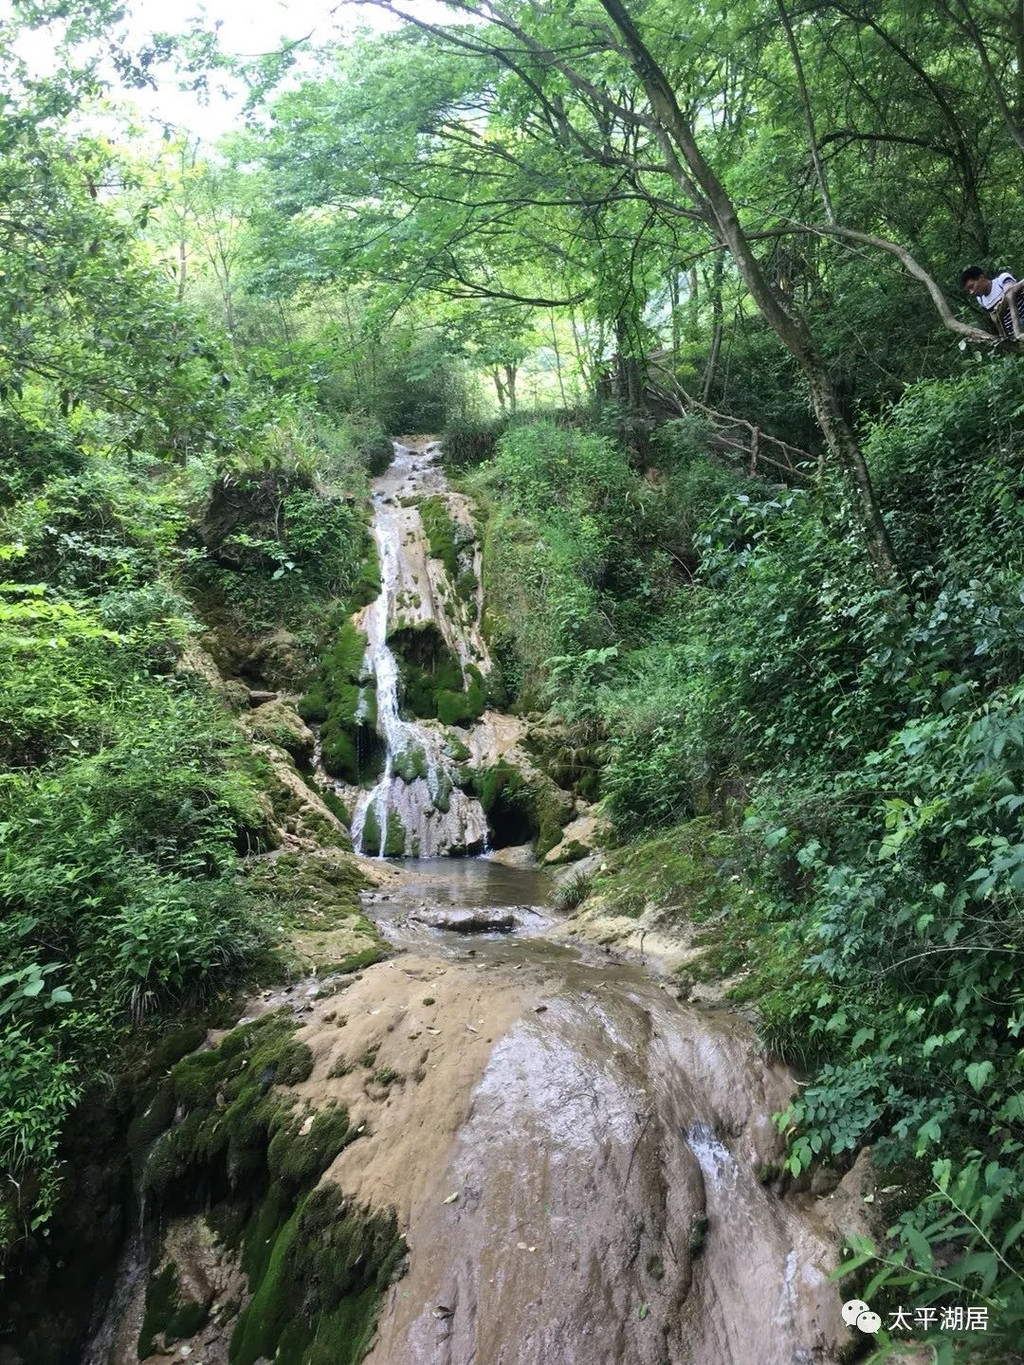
x,y
371,832
572,852
147,1126
344,703
367,587
518,811
507,801
690,869
393,835
410,764
316,1301
440,531
456,750
355,962
572,756
308,890
441,793
551,814
166,1315
228,1106
161,1300
336,806
296,1162
466,586
394,839
433,683
426,665
315,1267
463,707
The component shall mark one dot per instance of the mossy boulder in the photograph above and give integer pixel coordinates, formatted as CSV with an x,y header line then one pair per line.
x,y
277,723
316,1267
433,683
343,702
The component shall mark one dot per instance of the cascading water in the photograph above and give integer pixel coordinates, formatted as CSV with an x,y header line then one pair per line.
x,y
417,808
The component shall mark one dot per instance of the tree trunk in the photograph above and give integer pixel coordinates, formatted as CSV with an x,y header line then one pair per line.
x,y
673,132
558,358
716,332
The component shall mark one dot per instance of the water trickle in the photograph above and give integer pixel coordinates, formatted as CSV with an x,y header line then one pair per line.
x,y
417,808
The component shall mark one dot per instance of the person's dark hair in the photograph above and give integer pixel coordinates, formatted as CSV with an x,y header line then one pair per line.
x,y
973,272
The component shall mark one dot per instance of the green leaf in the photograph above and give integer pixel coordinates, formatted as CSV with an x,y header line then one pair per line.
x,y
920,1248
979,1074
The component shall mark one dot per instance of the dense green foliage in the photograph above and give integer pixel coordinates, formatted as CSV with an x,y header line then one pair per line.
x,y
201,356
151,487
871,743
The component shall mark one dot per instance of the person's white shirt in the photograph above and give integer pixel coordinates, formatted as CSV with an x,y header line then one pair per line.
x,y
999,287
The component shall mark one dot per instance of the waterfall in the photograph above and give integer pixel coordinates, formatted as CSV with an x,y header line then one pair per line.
x,y
417,808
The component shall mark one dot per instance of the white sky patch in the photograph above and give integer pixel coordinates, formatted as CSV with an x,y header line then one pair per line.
x,y
246,29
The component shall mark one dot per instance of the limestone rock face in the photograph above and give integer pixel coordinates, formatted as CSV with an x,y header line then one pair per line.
x,y
579,840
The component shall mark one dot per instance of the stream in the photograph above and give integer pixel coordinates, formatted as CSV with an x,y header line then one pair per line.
x,y
580,1162
579,1159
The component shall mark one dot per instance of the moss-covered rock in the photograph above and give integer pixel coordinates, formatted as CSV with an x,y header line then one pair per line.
x,y
316,1295
519,810
168,1315
433,684
371,833
571,755
692,871
393,835
316,1267
305,890
343,702
277,723
410,764
441,532
367,588
298,808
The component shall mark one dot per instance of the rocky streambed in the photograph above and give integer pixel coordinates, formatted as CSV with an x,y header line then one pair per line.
x,y
525,1151
497,1146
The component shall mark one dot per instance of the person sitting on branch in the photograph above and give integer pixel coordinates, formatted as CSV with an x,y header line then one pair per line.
x,y
1001,297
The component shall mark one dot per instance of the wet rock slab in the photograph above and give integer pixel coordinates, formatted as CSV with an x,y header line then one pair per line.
x,y
463,919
